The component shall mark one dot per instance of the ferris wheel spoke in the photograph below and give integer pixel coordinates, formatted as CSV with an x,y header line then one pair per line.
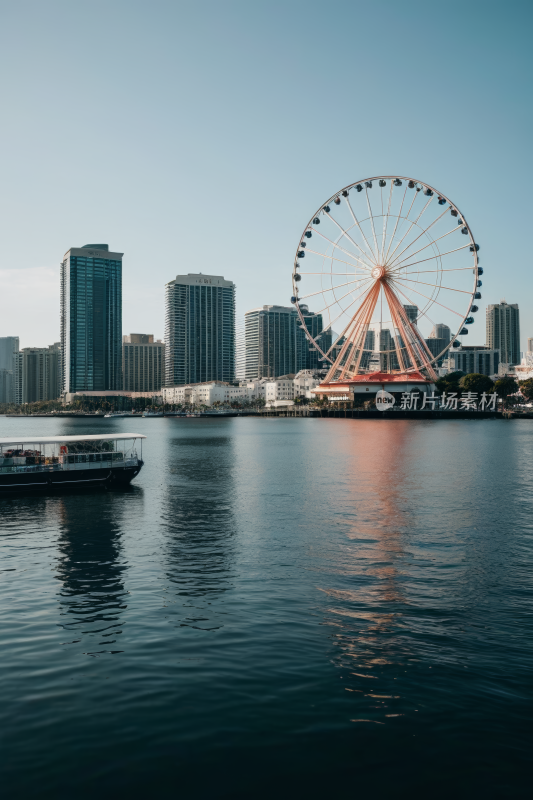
x,y
427,271
397,221
413,222
347,274
346,252
332,288
344,233
412,289
362,232
385,220
412,302
333,258
435,285
330,325
431,258
433,241
421,234
342,298
372,223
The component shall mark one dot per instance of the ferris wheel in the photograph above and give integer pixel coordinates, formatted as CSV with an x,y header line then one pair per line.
x,y
392,267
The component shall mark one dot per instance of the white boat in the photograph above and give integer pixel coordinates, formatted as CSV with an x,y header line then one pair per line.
x,y
116,414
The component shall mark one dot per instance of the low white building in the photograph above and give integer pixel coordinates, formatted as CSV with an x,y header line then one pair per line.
x,y
284,388
204,394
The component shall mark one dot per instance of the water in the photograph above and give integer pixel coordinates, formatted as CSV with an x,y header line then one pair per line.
x,y
276,607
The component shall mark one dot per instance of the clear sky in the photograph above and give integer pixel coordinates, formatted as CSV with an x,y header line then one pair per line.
x,y
202,137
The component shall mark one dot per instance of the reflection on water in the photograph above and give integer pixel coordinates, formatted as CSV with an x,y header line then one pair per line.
x,y
91,569
369,599
200,522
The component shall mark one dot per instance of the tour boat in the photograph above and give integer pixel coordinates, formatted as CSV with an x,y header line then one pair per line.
x,y
117,414
57,462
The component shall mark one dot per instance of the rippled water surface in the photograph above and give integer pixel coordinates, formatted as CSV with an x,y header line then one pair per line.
x,y
277,607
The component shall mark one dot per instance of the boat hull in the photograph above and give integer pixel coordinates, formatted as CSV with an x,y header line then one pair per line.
x,y
106,478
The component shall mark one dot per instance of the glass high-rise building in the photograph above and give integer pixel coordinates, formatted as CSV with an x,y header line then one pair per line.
x,y
503,331
199,330
91,319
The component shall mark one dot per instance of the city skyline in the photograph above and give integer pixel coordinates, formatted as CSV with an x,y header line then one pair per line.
x,y
177,197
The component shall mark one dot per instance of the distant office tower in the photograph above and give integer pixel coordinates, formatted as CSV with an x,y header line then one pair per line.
x,y
38,373
503,331
240,352
530,345
307,354
368,349
199,329
9,347
388,360
143,362
412,313
91,319
272,342
436,347
441,331
475,358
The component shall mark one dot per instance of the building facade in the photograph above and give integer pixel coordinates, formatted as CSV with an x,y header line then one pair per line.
x,y
37,374
275,342
9,347
475,358
437,347
143,363
209,393
503,331
199,330
441,331
91,319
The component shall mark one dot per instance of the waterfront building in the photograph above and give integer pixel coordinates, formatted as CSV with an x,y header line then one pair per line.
x,y
240,352
275,342
199,330
271,341
475,358
307,356
206,393
284,387
143,362
9,347
91,319
38,373
503,331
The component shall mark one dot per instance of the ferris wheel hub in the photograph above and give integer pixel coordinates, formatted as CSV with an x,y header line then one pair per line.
x,y
378,272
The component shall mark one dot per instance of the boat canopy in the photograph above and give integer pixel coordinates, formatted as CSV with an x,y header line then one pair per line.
x,y
90,437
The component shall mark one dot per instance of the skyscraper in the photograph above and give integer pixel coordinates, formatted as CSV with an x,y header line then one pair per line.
x,y
199,329
503,331
307,354
272,341
9,347
143,362
530,345
412,313
39,373
91,319
441,331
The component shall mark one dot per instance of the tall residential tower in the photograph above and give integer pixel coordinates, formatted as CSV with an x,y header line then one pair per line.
x,y
503,331
91,319
199,330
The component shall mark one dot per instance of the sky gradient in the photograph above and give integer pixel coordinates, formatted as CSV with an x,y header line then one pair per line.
x,y
202,137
